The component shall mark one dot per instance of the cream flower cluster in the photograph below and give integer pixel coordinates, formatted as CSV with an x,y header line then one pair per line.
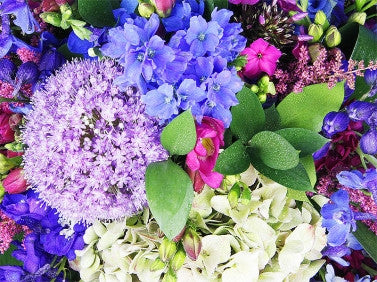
x,y
265,238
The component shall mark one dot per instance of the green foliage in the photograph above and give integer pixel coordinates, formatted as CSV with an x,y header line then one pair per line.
x,y
98,13
233,160
367,239
248,116
274,150
307,109
169,194
179,136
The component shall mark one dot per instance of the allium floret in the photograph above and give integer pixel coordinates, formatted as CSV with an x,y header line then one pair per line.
x,y
89,144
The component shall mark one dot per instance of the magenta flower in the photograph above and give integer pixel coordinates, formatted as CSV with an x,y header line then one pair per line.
x,y
245,2
15,182
163,7
261,57
6,132
202,160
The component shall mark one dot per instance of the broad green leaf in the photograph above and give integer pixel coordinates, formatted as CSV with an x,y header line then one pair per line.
x,y
233,160
98,13
307,109
208,8
170,195
367,239
274,150
295,178
179,136
297,195
272,119
248,116
8,259
304,140
308,163
221,4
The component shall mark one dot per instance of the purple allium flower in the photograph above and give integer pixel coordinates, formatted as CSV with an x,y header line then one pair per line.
x,y
89,144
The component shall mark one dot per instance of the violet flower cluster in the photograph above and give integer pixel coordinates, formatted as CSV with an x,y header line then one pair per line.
x,y
189,72
89,144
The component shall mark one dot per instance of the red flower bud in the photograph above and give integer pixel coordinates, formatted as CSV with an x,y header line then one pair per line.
x,y
6,132
15,182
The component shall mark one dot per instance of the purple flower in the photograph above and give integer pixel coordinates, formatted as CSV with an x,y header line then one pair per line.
x,y
368,142
162,102
338,218
335,122
190,96
97,137
370,77
336,253
360,111
7,70
202,36
315,5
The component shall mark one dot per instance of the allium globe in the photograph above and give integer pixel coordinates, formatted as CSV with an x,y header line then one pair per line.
x,y
88,144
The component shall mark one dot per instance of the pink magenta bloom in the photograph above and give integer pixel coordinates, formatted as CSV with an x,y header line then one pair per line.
x,y
164,7
246,2
15,182
261,57
202,160
6,132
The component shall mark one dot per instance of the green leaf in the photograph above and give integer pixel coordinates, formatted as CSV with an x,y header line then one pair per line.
x,y
297,195
274,150
367,239
248,116
221,4
307,109
295,178
273,120
170,195
98,13
208,8
179,136
8,259
304,140
233,160
308,163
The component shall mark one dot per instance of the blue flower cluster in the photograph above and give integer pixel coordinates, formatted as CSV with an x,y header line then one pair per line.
x,y
190,71
50,237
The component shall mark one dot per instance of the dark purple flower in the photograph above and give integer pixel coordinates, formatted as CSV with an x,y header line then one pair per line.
x,y
322,152
372,119
335,122
202,36
370,76
288,5
368,142
10,273
7,70
360,111
27,73
316,5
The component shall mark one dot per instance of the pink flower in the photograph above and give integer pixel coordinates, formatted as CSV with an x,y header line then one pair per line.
x,y
261,57
246,2
163,7
6,132
15,182
202,160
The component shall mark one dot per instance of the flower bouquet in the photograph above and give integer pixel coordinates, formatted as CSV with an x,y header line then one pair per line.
x,y
188,140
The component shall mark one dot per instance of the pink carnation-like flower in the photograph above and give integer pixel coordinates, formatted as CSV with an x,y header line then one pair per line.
x,y
202,160
6,132
15,182
246,2
261,57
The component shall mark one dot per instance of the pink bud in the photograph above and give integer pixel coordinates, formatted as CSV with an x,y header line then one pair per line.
x,y
261,20
6,132
163,7
192,243
15,182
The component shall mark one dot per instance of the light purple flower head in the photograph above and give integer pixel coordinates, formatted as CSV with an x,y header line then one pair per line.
x,y
89,144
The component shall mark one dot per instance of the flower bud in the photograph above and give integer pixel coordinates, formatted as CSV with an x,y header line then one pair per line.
x,y
368,142
357,17
178,259
15,183
157,265
163,7
316,31
254,88
262,98
333,37
2,192
245,195
145,10
7,164
66,11
299,16
321,19
167,249
52,18
192,243
234,195
169,276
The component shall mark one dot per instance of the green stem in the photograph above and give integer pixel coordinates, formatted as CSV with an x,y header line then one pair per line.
x,y
361,154
371,16
371,159
370,270
349,8
369,5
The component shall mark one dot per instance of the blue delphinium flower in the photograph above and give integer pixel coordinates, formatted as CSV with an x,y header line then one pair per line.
x,y
370,77
335,122
357,180
316,5
203,36
339,219
24,17
368,142
360,110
